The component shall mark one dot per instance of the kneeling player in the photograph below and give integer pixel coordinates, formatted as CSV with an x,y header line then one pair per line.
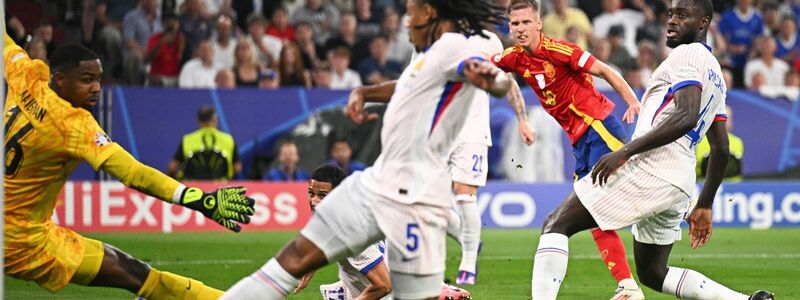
x,y
364,276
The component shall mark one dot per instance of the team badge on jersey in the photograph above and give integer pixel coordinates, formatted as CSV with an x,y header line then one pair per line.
x,y
101,139
549,70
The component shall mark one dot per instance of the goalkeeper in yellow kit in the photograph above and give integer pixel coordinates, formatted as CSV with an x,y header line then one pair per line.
x,y
49,130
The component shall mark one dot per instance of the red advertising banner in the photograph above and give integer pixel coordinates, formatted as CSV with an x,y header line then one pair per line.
x,y
106,206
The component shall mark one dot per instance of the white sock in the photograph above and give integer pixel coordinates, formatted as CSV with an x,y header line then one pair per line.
x,y
270,282
454,226
470,231
549,266
688,284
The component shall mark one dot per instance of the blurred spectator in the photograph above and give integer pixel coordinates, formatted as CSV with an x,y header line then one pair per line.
x,y
772,69
630,20
225,79
15,29
563,17
347,38
308,48
44,31
344,5
323,18
601,51
36,49
592,8
786,40
321,77
224,43
715,40
757,81
634,79
267,48
369,23
246,67
194,25
378,68
242,9
199,149
572,35
164,52
727,75
291,69
790,8
400,47
342,78
200,71
740,25
287,169
769,13
107,33
138,27
734,169
619,54
647,60
213,8
279,27
340,157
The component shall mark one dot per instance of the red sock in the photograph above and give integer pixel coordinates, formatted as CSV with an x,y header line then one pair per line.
x,y
613,252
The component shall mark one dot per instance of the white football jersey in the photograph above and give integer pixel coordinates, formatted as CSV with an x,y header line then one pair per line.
x,y
430,103
686,65
476,128
353,270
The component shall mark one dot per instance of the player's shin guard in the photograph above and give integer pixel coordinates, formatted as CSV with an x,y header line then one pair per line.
x,y
165,285
470,231
269,282
549,266
454,226
613,253
688,284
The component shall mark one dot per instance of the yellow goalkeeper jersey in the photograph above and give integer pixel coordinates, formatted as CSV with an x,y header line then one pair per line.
x,y
45,139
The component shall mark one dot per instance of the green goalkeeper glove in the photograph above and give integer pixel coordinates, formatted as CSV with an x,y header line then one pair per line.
x,y
227,206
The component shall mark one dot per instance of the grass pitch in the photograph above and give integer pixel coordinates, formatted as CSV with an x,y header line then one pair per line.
x,y
743,259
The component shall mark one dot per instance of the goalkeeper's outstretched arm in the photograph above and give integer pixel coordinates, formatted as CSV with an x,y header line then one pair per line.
x,y
226,206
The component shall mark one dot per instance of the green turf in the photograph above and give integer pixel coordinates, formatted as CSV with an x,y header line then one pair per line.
x,y
743,259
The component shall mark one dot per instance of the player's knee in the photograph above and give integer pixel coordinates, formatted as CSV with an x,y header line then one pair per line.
x,y
551,224
651,276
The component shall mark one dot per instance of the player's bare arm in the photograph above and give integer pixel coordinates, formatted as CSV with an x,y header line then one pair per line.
x,y
486,76
381,93
700,217
379,283
687,108
517,102
602,70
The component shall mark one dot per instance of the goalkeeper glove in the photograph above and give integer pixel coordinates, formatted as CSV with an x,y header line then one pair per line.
x,y
227,206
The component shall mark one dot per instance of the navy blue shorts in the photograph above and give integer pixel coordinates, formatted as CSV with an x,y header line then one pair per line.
x,y
601,138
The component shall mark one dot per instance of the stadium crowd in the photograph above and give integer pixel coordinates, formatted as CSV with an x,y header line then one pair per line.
x,y
342,44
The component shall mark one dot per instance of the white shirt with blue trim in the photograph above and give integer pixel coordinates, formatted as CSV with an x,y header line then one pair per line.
x,y
353,270
687,65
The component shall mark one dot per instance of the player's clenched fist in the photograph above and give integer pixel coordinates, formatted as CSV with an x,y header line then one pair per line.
x,y
227,206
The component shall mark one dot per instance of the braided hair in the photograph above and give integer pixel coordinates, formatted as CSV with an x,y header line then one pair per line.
x,y
470,17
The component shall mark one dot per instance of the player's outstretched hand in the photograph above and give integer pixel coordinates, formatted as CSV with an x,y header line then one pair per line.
x,y
527,133
607,165
227,206
630,114
355,108
303,282
699,226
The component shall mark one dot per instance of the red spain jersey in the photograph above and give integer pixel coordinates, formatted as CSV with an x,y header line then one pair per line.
x,y
558,72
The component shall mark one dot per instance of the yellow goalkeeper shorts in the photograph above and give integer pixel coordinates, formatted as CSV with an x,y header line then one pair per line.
x,y
53,257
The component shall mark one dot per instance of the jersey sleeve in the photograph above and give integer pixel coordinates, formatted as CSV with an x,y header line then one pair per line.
x,y
685,68
368,259
504,60
20,70
568,55
86,140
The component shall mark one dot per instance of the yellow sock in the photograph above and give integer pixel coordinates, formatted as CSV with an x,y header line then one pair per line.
x,y
165,285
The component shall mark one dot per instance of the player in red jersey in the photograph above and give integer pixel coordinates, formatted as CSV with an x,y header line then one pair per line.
x,y
561,75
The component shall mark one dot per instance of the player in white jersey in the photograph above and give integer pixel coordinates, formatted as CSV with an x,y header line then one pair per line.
x,y
468,165
404,197
647,183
